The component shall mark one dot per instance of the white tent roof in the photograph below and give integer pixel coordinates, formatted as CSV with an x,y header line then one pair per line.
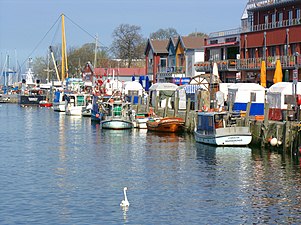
x,y
246,87
132,85
284,88
163,87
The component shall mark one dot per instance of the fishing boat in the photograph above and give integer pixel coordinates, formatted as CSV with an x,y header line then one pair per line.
x,y
31,94
167,124
117,115
31,97
75,104
221,129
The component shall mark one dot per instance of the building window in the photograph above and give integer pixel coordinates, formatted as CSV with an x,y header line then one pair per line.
x,y
290,17
266,21
251,21
272,51
252,53
298,16
280,19
274,20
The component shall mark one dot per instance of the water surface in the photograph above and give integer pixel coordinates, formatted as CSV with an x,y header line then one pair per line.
x,y
57,169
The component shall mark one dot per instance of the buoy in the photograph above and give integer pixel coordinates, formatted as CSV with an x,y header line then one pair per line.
x,y
97,115
279,143
273,141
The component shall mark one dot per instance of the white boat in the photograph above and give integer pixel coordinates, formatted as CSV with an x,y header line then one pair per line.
x,y
75,104
58,103
118,115
140,120
221,129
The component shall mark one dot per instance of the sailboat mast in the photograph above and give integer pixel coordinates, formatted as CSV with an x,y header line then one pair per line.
x,y
64,51
95,51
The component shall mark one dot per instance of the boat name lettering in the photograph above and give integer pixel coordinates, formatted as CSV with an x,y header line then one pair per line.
x,y
32,99
232,140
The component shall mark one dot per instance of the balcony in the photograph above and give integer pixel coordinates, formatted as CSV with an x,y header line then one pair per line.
x,y
287,62
231,32
222,65
172,69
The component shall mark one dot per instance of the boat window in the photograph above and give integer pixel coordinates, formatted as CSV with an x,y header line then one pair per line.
x,y
80,100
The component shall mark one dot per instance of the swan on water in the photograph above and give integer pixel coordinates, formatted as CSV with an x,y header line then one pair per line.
x,y
125,202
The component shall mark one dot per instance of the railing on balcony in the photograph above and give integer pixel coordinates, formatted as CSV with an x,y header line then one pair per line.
x,y
261,3
236,31
287,62
172,69
272,25
223,65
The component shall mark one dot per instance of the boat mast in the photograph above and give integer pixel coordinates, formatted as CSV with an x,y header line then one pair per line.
x,y
64,51
95,51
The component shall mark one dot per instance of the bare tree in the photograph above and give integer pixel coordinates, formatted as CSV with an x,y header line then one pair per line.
x,y
198,34
127,43
164,33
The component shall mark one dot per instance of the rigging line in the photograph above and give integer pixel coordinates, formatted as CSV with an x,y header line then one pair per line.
x,y
40,42
55,34
84,30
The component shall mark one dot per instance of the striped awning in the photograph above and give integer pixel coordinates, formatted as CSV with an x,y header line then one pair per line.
x,y
192,88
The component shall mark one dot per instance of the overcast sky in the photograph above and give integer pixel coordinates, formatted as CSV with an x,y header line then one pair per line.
x,y
24,23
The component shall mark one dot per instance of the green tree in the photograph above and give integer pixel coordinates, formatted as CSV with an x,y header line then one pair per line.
x,y
127,42
164,33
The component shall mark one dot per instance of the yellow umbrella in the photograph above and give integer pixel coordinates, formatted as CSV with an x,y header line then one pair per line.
x,y
263,74
278,72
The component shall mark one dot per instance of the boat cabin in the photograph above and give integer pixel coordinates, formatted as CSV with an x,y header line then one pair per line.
x,y
208,122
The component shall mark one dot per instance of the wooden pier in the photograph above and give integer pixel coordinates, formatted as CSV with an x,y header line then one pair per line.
x,y
287,134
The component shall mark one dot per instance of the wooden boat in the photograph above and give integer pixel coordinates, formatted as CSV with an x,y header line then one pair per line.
x,y
221,129
168,124
117,115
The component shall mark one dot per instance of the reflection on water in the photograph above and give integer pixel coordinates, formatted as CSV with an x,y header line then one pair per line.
x,y
57,169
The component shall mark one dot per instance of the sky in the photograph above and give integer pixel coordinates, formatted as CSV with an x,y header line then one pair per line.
x,y
25,25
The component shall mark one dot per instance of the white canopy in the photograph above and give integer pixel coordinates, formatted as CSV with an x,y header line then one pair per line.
x,y
276,93
133,86
284,88
242,92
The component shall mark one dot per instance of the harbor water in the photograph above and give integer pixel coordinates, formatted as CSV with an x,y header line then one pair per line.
x,y
57,169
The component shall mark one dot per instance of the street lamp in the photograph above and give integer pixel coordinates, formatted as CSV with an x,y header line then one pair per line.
x,y
295,82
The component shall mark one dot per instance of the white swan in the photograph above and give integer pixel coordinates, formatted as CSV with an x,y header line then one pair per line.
x,y
125,202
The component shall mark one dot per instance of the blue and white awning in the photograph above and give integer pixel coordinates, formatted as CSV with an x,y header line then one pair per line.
x,y
192,88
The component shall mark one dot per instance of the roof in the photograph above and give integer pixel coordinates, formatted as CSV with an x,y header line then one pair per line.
x,y
126,72
246,87
191,42
158,46
132,85
173,41
163,87
284,87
